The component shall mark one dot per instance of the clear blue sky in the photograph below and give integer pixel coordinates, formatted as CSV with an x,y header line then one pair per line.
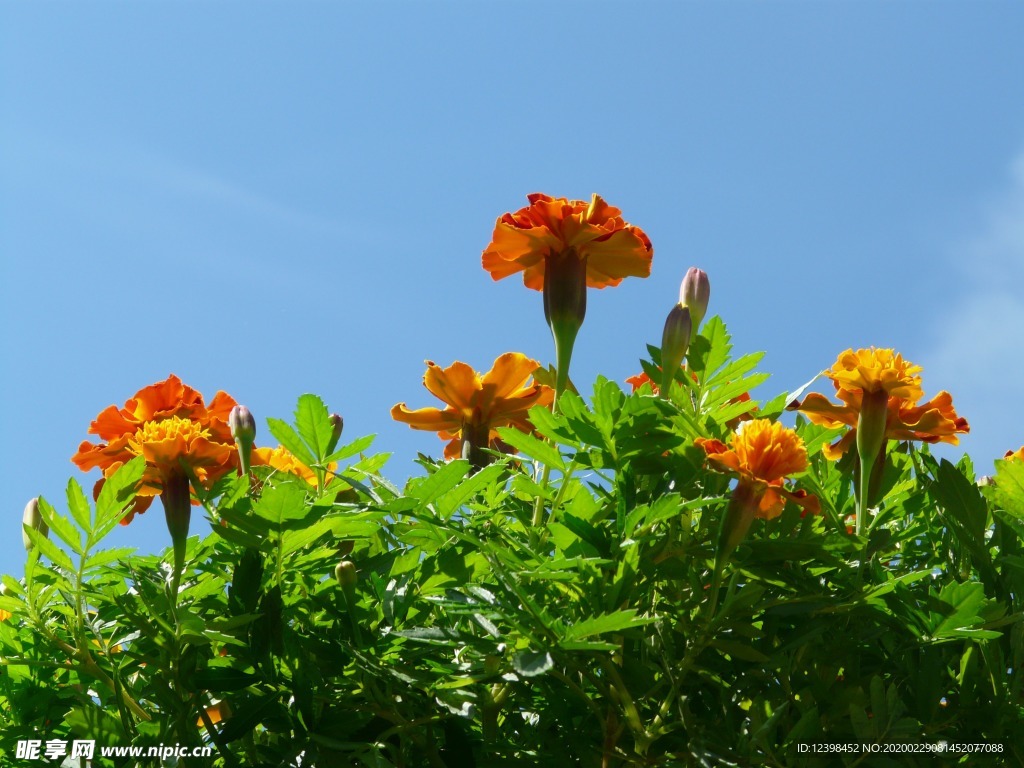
x,y
278,198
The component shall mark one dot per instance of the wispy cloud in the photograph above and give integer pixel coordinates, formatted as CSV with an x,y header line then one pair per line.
x,y
979,331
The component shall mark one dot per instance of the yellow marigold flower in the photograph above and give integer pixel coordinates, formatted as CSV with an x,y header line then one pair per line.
x,y
283,460
874,370
477,405
5,615
169,424
763,453
553,226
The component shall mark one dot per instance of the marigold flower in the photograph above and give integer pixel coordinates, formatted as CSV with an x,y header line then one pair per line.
x,y
763,453
562,247
934,421
283,460
552,226
1017,455
879,391
477,405
873,370
169,424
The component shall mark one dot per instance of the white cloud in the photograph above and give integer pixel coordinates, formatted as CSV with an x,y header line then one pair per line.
x,y
979,348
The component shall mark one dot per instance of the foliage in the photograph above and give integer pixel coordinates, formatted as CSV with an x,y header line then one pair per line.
x,y
554,607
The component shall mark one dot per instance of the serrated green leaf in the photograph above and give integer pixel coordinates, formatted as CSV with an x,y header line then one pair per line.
x,y
355,447
79,505
107,556
55,554
313,422
281,503
442,480
470,487
117,494
533,447
60,526
290,439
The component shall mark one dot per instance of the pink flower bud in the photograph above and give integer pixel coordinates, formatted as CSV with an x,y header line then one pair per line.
x,y
243,425
695,293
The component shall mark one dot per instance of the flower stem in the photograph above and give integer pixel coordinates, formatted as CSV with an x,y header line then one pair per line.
x,y
870,440
178,510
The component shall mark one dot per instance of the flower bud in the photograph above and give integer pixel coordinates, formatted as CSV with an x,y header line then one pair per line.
x,y
345,573
675,340
337,425
243,429
32,518
243,425
695,293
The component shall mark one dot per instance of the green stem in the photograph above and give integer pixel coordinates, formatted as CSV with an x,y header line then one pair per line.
x,y
870,440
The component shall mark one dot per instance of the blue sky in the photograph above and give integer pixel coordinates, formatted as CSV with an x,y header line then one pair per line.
x,y
275,198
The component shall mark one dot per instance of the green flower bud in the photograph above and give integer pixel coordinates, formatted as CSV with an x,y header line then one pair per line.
x,y
32,518
345,573
337,425
675,340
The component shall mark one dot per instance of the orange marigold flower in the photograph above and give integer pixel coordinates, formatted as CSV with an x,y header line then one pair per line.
x,y
553,226
170,425
283,460
1017,455
874,370
933,421
477,405
762,453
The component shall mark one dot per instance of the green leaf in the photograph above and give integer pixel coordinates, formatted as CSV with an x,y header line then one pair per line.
x,y
290,439
442,480
60,526
281,503
1009,486
107,556
464,491
222,679
965,601
607,622
533,447
356,446
738,650
117,494
532,663
78,504
55,554
313,422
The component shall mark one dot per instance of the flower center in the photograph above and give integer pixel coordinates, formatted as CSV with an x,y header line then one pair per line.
x,y
173,428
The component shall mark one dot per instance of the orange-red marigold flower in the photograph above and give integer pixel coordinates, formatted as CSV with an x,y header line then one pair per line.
x,y
763,453
477,405
553,226
170,425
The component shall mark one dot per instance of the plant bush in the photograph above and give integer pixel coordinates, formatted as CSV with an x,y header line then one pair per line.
x,y
564,594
